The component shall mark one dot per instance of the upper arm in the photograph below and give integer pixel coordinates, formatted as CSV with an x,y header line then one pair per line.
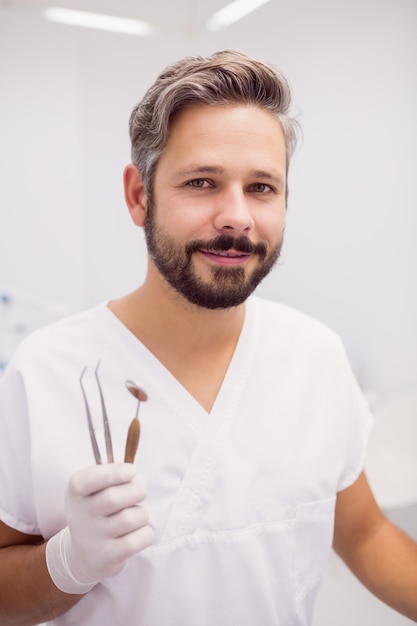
x,y
11,537
357,519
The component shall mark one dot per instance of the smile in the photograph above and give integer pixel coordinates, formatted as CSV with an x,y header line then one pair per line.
x,y
228,254
226,258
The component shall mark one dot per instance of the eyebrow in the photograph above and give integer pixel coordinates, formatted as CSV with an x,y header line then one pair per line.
x,y
198,169
213,169
275,176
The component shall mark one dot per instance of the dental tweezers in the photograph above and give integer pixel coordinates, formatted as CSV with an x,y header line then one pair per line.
x,y
133,434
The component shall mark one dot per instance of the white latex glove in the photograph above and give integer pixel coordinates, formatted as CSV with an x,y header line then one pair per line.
x,y
106,526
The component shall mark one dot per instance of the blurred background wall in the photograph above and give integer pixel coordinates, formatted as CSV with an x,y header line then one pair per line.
x,y
350,256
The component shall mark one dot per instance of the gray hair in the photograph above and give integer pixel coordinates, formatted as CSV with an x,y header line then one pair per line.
x,y
224,78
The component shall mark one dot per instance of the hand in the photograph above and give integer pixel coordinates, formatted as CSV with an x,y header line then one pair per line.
x,y
106,526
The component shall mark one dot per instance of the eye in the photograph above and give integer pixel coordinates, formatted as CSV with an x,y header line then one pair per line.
x,y
198,183
261,188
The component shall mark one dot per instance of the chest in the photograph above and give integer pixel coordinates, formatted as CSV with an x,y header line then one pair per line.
x,y
199,371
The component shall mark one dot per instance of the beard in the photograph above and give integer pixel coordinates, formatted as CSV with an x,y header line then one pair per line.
x,y
228,287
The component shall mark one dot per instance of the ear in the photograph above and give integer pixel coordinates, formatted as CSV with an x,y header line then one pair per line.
x,y
135,196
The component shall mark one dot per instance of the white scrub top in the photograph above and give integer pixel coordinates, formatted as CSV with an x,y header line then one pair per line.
x,y
241,499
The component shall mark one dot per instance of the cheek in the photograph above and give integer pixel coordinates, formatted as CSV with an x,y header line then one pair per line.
x,y
182,218
183,224
271,226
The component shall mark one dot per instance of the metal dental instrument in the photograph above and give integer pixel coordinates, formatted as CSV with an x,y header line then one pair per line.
x,y
133,434
134,428
94,443
107,435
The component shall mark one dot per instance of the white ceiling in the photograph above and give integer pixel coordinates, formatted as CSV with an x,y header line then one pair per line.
x,y
171,15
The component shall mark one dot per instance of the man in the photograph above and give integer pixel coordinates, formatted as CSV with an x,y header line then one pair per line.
x,y
254,432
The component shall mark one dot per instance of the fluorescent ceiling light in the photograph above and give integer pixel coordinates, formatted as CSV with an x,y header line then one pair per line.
x,y
232,13
98,21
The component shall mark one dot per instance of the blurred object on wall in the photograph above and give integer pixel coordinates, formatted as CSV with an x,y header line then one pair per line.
x,y
21,313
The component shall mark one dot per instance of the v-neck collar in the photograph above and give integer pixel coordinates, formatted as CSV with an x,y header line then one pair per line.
x,y
162,378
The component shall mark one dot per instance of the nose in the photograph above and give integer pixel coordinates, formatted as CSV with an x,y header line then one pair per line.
x,y
233,212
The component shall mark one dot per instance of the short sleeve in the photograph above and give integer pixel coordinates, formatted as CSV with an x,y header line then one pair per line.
x,y
355,419
17,508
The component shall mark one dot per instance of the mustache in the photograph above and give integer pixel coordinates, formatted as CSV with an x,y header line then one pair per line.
x,y
223,243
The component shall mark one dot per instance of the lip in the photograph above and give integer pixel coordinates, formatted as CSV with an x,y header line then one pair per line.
x,y
228,258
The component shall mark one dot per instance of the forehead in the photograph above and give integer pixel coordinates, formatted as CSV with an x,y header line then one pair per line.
x,y
225,134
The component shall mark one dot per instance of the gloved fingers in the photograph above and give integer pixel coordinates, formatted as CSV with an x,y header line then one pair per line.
x,y
113,558
114,499
125,522
133,542
106,526
91,480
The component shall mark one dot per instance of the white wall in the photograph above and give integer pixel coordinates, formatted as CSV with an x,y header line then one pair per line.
x,y
350,256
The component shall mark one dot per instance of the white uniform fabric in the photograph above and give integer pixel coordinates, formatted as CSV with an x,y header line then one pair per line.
x,y
241,499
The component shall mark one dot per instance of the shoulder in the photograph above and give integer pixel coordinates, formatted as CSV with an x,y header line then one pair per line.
x,y
285,322
60,337
298,340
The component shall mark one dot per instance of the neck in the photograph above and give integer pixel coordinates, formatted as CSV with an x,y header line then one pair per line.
x,y
159,317
194,344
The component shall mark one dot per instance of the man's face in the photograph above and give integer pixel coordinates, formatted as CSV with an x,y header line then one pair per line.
x,y
215,225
